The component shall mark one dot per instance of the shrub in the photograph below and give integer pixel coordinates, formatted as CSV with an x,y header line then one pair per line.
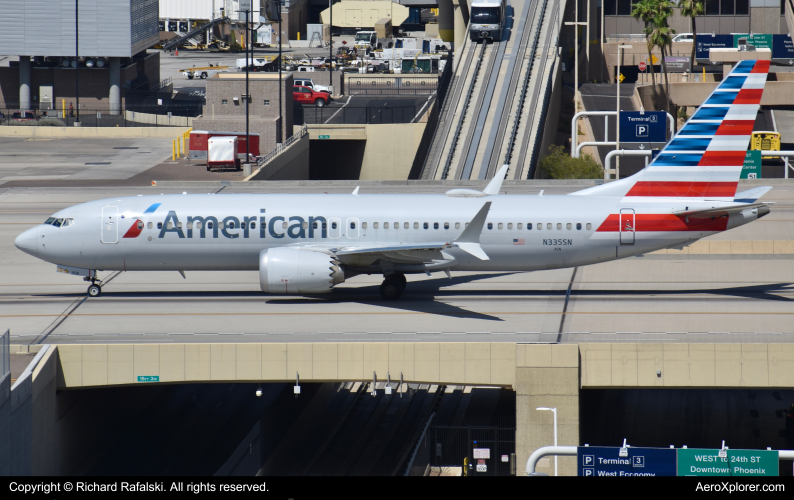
x,y
560,165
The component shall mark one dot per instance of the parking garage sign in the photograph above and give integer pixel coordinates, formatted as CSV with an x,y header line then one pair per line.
x,y
606,461
639,126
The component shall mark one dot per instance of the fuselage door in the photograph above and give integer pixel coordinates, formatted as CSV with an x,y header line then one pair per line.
x,y
352,228
627,226
110,225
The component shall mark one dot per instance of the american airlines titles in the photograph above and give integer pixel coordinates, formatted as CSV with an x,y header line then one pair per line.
x,y
232,227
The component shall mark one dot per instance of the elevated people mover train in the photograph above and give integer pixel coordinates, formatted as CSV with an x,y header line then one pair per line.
x,y
487,20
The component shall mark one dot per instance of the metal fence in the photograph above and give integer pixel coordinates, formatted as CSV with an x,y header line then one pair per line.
x,y
92,118
5,354
355,114
391,85
451,444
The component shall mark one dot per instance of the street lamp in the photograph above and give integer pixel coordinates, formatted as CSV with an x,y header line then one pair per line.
x,y
617,115
553,410
576,25
76,58
245,6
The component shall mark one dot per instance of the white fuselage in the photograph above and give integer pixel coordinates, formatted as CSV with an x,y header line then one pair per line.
x,y
566,231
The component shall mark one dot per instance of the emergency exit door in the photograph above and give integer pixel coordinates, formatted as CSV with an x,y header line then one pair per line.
x,y
110,225
627,226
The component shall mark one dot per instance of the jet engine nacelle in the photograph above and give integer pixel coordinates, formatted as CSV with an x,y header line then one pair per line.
x,y
298,270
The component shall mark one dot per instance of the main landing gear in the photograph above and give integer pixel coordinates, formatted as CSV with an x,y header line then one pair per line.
x,y
393,286
95,288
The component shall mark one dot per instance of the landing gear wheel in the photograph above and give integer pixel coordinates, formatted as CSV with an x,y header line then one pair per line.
x,y
400,280
94,290
390,289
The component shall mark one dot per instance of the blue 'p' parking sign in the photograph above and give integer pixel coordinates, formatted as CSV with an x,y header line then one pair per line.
x,y
643,126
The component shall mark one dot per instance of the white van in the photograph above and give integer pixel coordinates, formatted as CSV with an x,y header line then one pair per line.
x,y
687,37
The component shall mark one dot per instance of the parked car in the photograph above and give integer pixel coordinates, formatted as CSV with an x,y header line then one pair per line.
x,y
305,95
23,116
303,82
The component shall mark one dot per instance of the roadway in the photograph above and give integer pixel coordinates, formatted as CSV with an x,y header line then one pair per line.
x,y
656,298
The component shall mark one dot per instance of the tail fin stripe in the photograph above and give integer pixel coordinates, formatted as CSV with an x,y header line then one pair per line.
x,y
722,98
749,96
732,83
736,127
687,189
761,67
716,113
673,160
745,66
689,144
723,158
705,129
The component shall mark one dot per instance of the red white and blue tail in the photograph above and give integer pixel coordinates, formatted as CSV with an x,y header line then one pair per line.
x,y
704,160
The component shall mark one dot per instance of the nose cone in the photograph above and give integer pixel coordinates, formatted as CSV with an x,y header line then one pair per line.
x,y
27,242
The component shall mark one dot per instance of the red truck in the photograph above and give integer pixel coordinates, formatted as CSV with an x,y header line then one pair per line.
x,y
305,95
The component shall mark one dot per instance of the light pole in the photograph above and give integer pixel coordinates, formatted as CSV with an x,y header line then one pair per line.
x,y
553,410
576,25
617,115
331,43
76,58
280,118
245,6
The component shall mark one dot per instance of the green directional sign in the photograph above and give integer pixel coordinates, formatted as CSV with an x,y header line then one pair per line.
x,y
759,41
324,136
148,378
704,462
752,165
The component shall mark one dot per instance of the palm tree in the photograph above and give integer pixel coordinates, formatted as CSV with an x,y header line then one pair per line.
x,y
691,9
645,11
662,36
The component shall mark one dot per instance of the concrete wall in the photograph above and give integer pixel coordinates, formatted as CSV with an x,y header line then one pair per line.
x,y
290,165
436,363
390,150
694,93
92,132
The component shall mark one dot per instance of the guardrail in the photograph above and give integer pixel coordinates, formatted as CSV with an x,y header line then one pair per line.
x,y
264,160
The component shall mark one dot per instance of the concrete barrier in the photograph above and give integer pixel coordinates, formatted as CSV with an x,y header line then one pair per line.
x,y
93,132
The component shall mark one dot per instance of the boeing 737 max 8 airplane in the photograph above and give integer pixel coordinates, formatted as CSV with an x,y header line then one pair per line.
x,y
306,244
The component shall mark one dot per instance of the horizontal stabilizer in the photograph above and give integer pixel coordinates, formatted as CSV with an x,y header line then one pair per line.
x,y
751,195
711,213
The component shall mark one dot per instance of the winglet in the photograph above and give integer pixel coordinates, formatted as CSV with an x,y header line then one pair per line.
x,y
355,191
495,185
469,239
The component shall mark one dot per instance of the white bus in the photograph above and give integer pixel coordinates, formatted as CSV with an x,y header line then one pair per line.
x,y
487,20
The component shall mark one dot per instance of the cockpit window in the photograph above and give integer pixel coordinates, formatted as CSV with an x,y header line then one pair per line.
x,y
59,222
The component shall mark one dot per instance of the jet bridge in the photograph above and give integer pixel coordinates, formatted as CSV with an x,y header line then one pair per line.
x,y
176,42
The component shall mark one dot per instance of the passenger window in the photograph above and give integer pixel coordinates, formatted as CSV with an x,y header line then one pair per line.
x,y
467,225
363,225
578,226
490,225
457,225
140,224
500,226
425,225
284,225
406,225
568,226
231,224
170,225
435,225
446,225
529,226
209,225
520,225
559,226
352,225
242,225
149,225
548,225
325,225
333,225
588,226
305,225
509,225
189,225
179,225
314,225
199,225
159,225
385,225
540,226
416,225
374,225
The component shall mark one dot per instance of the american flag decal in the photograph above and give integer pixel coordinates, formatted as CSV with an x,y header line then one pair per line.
x,y
518,241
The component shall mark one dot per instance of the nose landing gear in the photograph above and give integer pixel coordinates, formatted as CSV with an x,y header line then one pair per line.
x,y
393,286
95,288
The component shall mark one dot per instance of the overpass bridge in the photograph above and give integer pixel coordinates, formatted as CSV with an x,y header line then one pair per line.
x,y
499,97
37,438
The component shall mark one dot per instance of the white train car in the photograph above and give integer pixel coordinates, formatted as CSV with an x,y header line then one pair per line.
x,y
487,20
